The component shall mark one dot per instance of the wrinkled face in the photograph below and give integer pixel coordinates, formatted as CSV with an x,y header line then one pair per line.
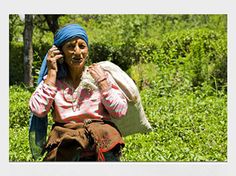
x,y
75,53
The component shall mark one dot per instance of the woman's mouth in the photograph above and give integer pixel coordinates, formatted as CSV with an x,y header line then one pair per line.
x,y
76,59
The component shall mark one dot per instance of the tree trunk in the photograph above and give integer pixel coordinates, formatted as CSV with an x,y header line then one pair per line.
x,y
52,21
28,50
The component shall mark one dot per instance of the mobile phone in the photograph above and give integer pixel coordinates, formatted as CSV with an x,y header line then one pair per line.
x,y
61,60
62,69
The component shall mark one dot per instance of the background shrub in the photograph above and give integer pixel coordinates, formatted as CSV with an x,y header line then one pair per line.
x,y
198,55
194,45
184,59
16,74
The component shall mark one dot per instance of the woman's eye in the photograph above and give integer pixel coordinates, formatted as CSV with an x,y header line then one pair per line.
x,y
70,46
82,46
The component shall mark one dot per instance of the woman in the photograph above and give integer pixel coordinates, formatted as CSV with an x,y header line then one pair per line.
x,y
82,112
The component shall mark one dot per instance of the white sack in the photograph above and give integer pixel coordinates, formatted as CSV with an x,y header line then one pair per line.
x,y
135,120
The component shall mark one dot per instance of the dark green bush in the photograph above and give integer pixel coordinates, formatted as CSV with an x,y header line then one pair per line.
x,y
125,54
120,55
16,74
16,61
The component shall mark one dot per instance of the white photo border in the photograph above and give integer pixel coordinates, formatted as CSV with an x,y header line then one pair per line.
x,y
117,7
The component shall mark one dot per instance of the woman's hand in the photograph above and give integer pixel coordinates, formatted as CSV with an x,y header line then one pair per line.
x,y
99,76
53,55
96,71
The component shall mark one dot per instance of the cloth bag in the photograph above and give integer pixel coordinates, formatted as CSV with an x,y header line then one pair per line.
x,y
135,121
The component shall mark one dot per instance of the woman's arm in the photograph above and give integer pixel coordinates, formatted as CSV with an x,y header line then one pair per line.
x,y
113,99
42,99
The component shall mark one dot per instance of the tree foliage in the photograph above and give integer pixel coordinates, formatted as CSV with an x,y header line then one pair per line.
x,y
198,42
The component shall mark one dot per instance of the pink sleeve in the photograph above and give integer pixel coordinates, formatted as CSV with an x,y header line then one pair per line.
x,y
42,99
114,101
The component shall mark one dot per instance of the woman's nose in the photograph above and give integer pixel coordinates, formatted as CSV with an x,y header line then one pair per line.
x,y
77,51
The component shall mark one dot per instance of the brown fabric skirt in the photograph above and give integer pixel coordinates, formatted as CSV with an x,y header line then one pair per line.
x,y
89,139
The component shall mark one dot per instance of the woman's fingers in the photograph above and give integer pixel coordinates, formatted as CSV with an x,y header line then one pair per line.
x,y
96,71
53,55
54,51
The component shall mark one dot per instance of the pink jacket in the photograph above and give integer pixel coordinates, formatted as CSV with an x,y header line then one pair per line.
x,y
79,104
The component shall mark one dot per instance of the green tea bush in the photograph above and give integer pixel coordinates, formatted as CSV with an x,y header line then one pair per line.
x,y
19,114
186,127
19,145
19,106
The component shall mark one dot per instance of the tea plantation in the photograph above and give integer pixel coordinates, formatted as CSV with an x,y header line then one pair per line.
x,y
178,62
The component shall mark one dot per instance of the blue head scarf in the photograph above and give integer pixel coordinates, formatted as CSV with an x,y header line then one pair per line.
x,y
38,126
69,32
62,36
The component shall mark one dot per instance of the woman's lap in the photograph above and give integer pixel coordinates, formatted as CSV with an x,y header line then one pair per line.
x,y
76,143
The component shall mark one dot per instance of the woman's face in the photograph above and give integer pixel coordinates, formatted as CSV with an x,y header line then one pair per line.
x,y
75,53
